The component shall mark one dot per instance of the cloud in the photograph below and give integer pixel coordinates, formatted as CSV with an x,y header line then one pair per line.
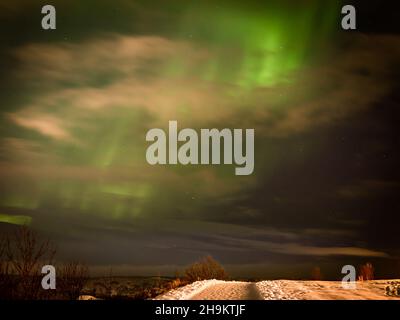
x,y
111,76
164,78
180,242
295,249
347,82
218,236
97,99
45,124
291,248
94,101
24,151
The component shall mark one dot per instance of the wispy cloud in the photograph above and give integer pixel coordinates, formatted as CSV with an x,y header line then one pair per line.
x,y
47,125
94,100
164,78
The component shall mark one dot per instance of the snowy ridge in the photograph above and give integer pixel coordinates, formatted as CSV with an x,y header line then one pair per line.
x,y
274,290
281,290
187,292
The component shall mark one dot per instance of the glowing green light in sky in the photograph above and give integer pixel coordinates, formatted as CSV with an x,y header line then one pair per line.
x,y
239,45
258,48
19,220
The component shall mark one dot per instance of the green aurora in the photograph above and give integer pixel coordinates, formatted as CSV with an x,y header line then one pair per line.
x,y
249,49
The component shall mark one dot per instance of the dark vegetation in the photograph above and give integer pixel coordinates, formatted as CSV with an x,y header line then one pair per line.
x,y
111,287
22,256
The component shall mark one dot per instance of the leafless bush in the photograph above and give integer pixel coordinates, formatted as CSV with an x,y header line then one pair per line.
x,y
7,281
366,272
71,279
26,255
107,284
207,268
176,283
22,257
4,264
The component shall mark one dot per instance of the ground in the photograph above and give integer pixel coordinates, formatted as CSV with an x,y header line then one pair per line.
x,y
280,290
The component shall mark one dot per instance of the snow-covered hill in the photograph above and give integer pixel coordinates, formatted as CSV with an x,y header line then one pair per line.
x,y
279,290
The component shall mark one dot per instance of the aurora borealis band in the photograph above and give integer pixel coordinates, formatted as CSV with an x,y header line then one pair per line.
x,y
77,103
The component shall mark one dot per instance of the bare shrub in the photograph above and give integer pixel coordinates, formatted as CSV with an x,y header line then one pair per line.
x,y
22,256
26,255
7,281
366,272
4,265
71,279
107,284
176,283
206,268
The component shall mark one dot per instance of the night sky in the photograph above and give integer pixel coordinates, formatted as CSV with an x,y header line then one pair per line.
x,y
77,102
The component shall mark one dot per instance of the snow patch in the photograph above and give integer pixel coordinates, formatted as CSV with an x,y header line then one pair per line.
x,y
188,291
274,290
